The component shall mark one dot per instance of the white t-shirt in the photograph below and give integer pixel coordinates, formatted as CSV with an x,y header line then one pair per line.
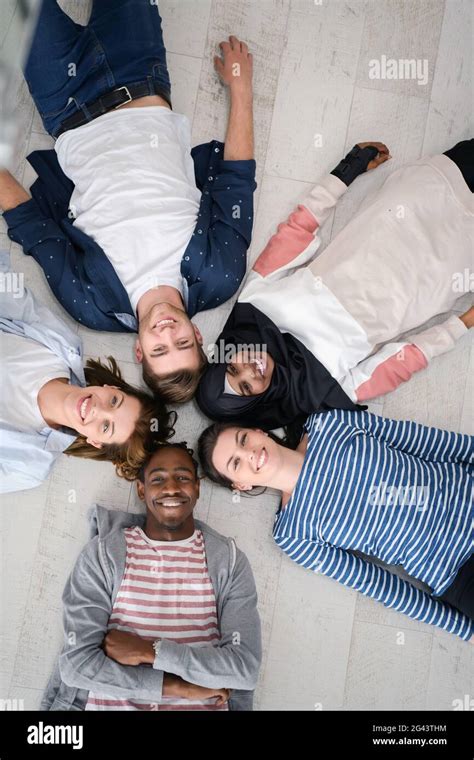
x,y
25,367
135,192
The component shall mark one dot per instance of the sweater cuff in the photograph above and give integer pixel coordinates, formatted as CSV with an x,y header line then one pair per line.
x,y
440,338
166,655
28,211
245,168
333,185
152,679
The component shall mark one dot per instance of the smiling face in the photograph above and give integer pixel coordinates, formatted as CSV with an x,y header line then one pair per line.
x,y
249,375
170,489
168,340
248,457
102,414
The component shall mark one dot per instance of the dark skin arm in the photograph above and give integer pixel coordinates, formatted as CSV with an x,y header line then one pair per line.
x,y
129,649
382,156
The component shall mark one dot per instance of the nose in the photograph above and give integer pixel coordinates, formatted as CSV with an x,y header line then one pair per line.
x,y
250,373
171,487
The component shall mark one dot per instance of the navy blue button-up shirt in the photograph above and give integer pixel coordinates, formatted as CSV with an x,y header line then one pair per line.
x,y
81,276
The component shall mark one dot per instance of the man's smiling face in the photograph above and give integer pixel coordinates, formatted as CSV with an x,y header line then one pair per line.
x,y
168,340
170,487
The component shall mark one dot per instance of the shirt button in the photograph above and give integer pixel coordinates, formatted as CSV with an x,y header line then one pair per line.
x,y
210,179
186,258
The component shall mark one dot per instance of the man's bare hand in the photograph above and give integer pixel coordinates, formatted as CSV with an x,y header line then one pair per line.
x,y
236,67
127,648
193,691
382,156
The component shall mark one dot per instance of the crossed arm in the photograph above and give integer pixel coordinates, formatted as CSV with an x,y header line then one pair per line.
x,y
124,665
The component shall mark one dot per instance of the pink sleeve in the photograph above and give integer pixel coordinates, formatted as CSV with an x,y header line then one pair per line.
x,y
291,239
297,237
391,372
395,363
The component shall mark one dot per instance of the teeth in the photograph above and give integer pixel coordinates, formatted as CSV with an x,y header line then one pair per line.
x,y
164,322
261,459
260,366
171,502
84,408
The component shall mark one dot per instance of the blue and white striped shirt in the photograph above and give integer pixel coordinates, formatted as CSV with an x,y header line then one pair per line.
x,y
396,491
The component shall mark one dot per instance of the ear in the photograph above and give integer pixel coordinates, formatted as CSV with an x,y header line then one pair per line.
x,y
96,444
138,351
141,490
241,487
197,333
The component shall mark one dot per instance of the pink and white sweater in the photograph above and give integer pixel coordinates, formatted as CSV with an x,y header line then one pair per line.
x,y
404,258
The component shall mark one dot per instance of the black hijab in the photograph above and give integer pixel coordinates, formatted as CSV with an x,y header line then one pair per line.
x,y
300,384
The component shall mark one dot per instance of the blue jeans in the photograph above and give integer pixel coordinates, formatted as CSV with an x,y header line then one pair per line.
x,y
70,65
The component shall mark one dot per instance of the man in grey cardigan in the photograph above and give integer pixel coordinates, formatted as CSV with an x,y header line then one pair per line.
x,y
121,650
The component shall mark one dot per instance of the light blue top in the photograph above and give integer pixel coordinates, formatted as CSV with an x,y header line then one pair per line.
x,y
26,458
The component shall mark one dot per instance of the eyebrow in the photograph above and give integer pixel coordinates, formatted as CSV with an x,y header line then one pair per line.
x,y
180,468
179,348
237,442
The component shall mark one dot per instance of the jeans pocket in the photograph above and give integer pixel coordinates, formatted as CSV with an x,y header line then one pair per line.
x,y
161,75
159,70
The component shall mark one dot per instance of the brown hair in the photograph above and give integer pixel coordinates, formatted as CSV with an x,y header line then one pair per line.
x,y
127,457
207,443
175,387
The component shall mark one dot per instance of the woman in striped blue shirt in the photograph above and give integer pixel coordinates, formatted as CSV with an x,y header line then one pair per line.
x,y
394,491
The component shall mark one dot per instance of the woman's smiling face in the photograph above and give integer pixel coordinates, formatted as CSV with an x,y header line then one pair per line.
x,y
250,374
102,413
247,457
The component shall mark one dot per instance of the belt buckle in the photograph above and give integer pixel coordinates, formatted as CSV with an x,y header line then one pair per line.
x,y
125,101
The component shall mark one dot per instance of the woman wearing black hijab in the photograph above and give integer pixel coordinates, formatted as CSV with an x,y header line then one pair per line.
x,y
299,382
311,335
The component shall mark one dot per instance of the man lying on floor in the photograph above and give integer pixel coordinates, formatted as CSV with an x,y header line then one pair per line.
x,y
133,230
165,594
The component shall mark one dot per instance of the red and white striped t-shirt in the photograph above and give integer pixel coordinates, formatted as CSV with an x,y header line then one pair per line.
x,y
166,592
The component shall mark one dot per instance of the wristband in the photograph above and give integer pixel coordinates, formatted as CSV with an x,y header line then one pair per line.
x,y
355,163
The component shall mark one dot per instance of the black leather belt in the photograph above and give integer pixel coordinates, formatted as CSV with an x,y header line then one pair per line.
x,y
110,101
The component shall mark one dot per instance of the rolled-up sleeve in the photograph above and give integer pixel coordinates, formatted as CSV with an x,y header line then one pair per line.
x,y
216,260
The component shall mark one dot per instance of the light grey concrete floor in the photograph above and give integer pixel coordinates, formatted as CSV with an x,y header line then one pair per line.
x,y
326,647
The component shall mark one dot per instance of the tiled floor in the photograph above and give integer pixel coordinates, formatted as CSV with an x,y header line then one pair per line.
x,y
325,647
